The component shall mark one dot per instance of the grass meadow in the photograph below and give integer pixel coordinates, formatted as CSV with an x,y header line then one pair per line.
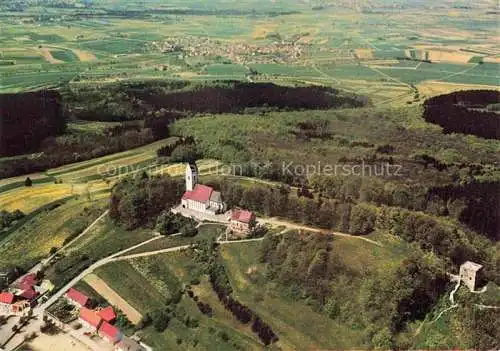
x,y
49,228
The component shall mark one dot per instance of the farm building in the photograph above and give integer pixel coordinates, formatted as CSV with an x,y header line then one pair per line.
x,y
6,301
200,197
107,314
77,298
11,305
242,222
110,333
89,319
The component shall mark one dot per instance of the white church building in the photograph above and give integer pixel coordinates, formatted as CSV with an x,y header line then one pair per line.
x,y
199,197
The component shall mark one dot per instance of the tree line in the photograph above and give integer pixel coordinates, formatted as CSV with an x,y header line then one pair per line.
x,y
448,239
207,254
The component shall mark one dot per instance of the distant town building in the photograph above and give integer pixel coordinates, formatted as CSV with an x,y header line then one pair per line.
x,y
469,274
200,197
242,222
77,298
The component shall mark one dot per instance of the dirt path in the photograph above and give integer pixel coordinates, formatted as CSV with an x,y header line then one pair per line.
x,y
112,297
278,222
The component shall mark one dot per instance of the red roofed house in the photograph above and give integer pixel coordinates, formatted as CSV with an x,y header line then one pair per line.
x,y
90,319
77,298
200,197
6,301
7,298
242,222
9,305
110,333
107,314
29,293
27,281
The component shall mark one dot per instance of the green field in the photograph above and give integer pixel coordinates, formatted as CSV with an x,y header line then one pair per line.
x,y
206,231
150,280
64,55
312,46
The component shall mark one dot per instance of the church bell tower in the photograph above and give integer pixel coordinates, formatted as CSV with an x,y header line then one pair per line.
x,y
191,176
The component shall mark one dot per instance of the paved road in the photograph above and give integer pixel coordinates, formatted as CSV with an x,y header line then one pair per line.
x,y
39,309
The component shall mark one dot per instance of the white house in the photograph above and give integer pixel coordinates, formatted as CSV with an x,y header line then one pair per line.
x,y
200,197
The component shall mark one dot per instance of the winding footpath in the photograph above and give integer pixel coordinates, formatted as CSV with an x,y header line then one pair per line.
x,y
290,225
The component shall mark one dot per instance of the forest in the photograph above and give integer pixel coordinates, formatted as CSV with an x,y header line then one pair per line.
x,y
382,305
146,110
465,112
26,119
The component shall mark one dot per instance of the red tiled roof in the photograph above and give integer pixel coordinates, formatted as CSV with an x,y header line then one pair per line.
x,y
200,193
7,298
28,280
242,216
113,333
90,317
108,314
29,293
77,296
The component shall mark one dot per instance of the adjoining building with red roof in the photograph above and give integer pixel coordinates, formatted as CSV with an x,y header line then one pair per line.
x,y
29,293
28,281
107,314
242,222
11,305
77,298
7,298
110,333
90,319
200,197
